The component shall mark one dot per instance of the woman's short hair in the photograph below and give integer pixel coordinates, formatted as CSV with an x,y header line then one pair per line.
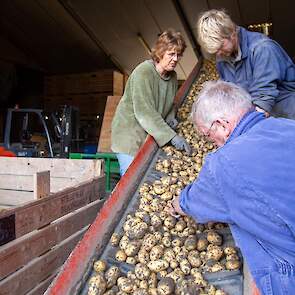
x,y
220,99
212,27
169,39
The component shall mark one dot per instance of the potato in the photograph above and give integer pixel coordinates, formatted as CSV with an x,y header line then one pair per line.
x,y
112,275
97,285
125,285
194,258
100,266
152,280
143,256
156,252
166,286
170,222
132,248
149,241
229,250
141,271
214,238
131,260
202,244
141,291
124,242
214,252
216,267
190,243
158,265
232,264
121,256
185,266
115,239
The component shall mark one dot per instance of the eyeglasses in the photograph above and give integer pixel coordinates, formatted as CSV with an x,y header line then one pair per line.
x,y
207,133
174,54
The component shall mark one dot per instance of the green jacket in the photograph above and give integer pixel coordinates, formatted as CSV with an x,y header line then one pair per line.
x,y
147,101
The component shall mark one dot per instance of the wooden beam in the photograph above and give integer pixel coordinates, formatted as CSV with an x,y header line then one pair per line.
x,y
41,184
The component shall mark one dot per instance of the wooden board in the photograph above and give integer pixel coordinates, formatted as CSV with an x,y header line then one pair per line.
x,y
17,173
36,214
21,281
19,252
104,144
42,287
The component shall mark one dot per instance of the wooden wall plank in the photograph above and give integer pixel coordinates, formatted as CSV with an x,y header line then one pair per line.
x,y
104,144
36,214
23,280
58,167
14,197
19,252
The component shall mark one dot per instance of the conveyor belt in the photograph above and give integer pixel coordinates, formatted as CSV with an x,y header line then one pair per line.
x,y
229,281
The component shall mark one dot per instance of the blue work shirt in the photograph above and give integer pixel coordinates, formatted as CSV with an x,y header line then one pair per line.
x,y
265,70
249,183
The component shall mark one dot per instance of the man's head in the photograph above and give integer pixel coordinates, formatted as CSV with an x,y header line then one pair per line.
x,y
219,108
217,33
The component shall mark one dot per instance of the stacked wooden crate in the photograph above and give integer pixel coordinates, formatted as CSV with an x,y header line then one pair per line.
x,y
87,91
37,233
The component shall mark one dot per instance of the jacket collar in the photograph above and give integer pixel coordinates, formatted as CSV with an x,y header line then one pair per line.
x,y
243,41
247,122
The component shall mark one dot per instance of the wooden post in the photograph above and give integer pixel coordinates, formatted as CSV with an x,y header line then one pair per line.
x,y
41,184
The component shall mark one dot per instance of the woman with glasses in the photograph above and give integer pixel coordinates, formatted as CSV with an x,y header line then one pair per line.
x,y
147,104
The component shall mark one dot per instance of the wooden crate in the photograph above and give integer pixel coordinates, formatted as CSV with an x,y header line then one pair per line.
x,y
104,143
43,232
109,81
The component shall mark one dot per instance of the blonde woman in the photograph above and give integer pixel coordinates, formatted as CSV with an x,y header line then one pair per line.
x,y
252,60
147,104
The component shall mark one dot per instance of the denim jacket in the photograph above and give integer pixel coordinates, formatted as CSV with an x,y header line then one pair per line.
x,y
264,69
249,184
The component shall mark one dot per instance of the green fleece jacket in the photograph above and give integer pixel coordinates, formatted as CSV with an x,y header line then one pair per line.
x,y
146,104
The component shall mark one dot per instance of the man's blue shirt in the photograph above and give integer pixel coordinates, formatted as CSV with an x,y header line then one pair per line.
x,y
249,183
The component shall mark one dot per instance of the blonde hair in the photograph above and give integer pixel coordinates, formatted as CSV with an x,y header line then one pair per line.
x,y
168,40
213,26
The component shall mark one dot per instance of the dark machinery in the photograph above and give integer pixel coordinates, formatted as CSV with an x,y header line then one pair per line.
x,y
32,133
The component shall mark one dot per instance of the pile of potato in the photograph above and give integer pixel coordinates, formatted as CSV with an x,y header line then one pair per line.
x,y
169,254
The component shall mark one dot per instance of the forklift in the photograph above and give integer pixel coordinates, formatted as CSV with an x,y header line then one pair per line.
x,y
33,133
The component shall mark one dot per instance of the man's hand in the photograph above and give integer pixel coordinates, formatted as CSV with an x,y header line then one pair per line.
x,y
180,143
258,109
174,208
172,123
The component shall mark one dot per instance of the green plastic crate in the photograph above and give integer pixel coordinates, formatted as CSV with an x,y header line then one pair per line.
x,y
111,164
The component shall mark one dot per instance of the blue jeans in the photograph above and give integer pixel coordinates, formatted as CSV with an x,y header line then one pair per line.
x,y
124,162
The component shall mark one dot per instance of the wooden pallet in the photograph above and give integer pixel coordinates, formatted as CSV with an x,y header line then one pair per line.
x,y
94,82
38,235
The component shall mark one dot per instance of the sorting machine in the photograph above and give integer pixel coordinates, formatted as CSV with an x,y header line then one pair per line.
x,y
74,276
